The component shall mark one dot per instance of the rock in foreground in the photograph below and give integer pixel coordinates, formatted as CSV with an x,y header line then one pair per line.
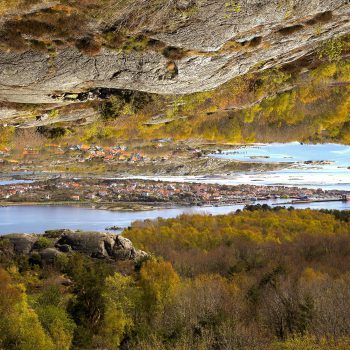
x,y
54,243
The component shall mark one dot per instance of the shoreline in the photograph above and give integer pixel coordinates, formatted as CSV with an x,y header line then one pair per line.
x,y
121,206
131,194
102,219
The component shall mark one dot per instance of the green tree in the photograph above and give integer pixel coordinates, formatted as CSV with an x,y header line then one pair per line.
x,y
20,328
53,316
88,306
158,281
121,299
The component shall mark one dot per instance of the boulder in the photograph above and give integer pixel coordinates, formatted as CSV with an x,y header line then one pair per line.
x,y
49,255
98,245
123,249
140,255
94,244
22,243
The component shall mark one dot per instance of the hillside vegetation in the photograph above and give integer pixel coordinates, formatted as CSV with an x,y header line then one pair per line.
x,y
260,279
283,104
305,98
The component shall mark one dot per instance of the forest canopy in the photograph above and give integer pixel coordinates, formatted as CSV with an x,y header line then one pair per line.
x,y
257,279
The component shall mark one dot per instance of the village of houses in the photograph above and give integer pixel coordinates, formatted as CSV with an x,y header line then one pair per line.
x,y
101,192
146,192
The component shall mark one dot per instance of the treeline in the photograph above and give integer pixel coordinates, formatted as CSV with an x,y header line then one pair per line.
x,y
257,279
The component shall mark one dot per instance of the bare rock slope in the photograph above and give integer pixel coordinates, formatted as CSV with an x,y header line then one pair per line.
x,y
219,41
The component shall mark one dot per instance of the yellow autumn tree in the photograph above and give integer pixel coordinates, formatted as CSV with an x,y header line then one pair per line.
x,y
121,299
20,328
158,281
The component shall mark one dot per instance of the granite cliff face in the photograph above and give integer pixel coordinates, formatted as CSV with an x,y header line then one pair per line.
x,y
216,41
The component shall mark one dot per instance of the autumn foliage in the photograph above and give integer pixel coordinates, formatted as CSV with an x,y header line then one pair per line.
x,y
258,279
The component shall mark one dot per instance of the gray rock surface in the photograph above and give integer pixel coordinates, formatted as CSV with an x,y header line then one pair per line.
x,y
262,34
99,245
94,244
49,255
22,243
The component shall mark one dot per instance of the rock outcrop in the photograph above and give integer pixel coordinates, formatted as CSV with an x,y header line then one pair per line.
x,y
220,40
93,244
22,244
98,245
